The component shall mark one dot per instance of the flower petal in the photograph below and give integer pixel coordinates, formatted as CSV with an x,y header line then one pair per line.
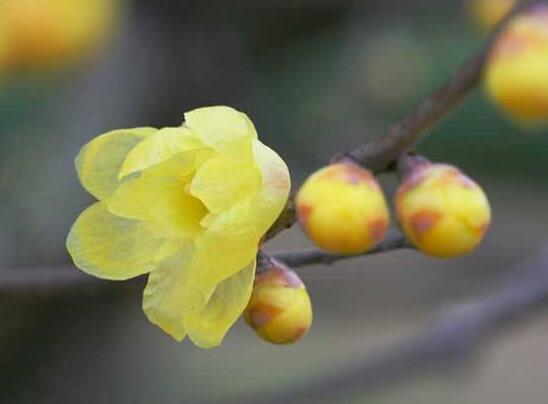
x,y
99,161
276,180
174,303
169,292
110,247
208,327
157,148
224,129
232,237
158,196
220,182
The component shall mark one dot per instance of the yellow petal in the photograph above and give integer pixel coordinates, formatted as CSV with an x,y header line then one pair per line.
x,y
158,196
208,327
230,241
224,129
220,182
110,247
169,293
157,148
232,237
99,161
276,183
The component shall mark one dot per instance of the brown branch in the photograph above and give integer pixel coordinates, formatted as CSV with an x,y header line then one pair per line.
x,y
451,339
314,256
24,282
286,220
381,153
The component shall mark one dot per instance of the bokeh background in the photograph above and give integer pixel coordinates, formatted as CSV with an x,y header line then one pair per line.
x,y
316,77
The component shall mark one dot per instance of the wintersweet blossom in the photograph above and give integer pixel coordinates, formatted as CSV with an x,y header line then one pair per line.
x,y
188,205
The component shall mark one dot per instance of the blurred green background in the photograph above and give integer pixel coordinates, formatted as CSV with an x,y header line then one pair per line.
x,y
316,77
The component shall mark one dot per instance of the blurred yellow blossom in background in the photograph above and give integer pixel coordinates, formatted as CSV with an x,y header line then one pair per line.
x,y
187,204
516,76
53,33
487,13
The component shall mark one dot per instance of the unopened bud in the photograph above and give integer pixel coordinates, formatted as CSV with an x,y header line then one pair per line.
x,y
279,310
342,209
517,70
442,211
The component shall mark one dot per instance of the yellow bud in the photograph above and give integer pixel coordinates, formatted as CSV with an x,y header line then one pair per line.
x,y
487,13
442,211
45,33
342,209
517,70
279,310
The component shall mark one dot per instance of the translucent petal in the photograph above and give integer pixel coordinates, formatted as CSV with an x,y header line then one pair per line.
x,y
110,247
224,129
169,292
220,182
158,196
230,241
208,327
232,237
276,180
157,148
99,161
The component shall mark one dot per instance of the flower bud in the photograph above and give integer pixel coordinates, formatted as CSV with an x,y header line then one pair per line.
x,y
517,70
442,211
487,13
342,209
279,310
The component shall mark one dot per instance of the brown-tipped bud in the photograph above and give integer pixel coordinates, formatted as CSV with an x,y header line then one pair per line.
x,y
342,209
442,211
279,310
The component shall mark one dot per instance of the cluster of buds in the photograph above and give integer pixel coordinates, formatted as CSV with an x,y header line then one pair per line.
x,y
279,310
442,212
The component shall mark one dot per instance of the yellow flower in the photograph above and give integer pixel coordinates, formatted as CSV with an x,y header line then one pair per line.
x,y
188,205
517,71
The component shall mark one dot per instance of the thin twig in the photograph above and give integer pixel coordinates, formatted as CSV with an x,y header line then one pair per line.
x,y
381,153
314,256
24,282
451,339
